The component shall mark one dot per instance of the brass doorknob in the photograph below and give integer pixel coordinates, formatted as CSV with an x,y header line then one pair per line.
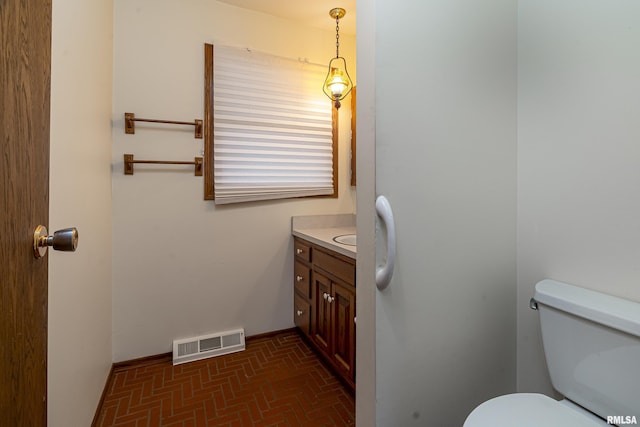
x,y
65,240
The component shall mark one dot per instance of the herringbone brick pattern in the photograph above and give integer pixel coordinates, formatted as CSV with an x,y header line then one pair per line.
x,y
276,381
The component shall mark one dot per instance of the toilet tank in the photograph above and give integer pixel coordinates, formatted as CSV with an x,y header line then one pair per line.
x,y
592,347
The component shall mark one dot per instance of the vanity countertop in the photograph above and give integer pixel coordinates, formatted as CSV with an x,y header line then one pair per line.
x,y
322,232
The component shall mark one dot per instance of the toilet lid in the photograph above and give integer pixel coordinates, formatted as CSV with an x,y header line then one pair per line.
x,y
527,410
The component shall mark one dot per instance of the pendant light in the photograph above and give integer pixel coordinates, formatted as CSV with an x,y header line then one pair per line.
x,y
337,84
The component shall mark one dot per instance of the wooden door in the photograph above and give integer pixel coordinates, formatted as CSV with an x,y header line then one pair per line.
x,y
343,328
25,61
322,324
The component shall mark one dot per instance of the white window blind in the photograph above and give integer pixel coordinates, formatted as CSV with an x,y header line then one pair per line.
x,y
272,128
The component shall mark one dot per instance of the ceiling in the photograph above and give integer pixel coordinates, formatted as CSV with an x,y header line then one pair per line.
x,y
314,13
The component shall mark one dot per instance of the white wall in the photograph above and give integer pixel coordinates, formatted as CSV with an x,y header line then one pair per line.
x,y
80,195
578,156
183,266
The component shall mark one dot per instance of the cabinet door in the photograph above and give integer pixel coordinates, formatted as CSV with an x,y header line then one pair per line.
x,y
301,313
322,316
302,279
343,309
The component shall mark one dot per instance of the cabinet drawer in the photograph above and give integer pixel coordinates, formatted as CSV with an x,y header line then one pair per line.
x,y
301,313
302,278
336,266
302,250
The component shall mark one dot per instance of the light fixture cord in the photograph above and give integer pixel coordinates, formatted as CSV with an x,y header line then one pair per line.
x,y
337,37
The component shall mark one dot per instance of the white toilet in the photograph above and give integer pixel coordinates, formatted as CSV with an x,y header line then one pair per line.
x,y
592,346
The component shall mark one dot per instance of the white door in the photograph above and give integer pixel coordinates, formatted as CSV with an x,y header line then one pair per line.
x,y
437,117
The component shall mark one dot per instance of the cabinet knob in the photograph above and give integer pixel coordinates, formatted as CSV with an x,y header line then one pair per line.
x,y
299,278
328,297
299,251
299,313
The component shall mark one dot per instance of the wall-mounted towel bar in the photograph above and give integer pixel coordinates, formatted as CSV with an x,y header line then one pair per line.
x,y
129,161
130,126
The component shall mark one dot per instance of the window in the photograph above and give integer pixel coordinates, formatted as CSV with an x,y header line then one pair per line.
x,y
272,132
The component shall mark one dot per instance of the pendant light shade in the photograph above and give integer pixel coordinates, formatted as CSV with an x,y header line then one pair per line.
x,y
337,84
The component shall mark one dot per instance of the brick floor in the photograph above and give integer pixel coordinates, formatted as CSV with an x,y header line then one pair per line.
x,y
276,381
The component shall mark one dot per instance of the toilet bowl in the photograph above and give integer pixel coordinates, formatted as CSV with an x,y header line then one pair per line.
x,y
530,410
591,343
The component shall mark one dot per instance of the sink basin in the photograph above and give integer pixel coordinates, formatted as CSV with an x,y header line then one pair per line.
x,y
346,239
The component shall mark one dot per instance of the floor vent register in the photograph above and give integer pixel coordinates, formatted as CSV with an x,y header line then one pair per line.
x,y
205,346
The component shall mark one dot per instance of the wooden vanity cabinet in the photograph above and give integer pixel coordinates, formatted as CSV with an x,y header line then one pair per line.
x,y
330,305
